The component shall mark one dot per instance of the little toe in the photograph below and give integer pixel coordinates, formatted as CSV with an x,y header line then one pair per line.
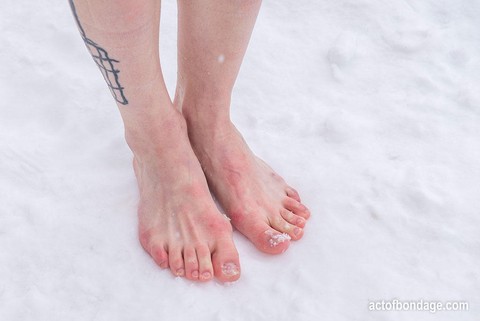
x,y
205,263
291,192
225,261
296,207
159,255
175,261
292,218
191,263
281,225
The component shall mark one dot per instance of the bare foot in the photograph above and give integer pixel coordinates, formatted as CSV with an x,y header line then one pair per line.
x,y
179,224
259,202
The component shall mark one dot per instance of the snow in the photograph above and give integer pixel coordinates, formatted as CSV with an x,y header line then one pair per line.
x,y
371,109
277,238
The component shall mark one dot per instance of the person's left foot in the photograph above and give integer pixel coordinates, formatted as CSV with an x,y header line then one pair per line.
x,y
259,202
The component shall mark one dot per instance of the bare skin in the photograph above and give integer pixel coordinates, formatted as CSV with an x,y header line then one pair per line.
x,y
258,201
180,146
179,223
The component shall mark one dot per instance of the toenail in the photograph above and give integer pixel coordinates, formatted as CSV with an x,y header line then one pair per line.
x,y
299,221
296,231
206,275
230,269
180,272
276,239
195,274
164,264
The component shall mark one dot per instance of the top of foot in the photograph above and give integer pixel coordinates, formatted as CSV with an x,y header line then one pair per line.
x,y
179,224
261,205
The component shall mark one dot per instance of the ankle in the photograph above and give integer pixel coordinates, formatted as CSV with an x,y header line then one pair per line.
x,y
206,106
155,134
206,116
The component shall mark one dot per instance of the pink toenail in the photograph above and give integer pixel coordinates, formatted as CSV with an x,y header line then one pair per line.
x,y
180,272
230,269
206,275
296,231
195,274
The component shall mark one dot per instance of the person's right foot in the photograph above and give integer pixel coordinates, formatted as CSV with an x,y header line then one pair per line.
x,y
179,224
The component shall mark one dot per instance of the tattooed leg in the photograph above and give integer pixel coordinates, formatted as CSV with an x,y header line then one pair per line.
x,y
103,61
213,38
179,224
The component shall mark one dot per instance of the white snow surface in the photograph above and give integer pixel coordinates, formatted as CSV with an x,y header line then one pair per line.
x,y
371,109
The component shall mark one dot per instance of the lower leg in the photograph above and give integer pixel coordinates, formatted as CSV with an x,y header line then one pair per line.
x,y
179,224
213,37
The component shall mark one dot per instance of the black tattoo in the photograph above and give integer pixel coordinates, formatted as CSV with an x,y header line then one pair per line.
x,y
104,62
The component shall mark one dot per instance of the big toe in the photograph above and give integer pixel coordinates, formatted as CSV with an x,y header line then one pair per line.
x,y
226,264
159,255
269,240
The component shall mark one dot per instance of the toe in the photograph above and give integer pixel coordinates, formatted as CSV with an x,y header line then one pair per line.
x,y
291,192
205,263
175,260
296,207
281,225
191,263
269,240
225,261
159,255
292,218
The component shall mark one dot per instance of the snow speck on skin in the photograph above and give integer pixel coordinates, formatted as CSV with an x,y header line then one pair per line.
x,y
370,109
276,239
230,269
